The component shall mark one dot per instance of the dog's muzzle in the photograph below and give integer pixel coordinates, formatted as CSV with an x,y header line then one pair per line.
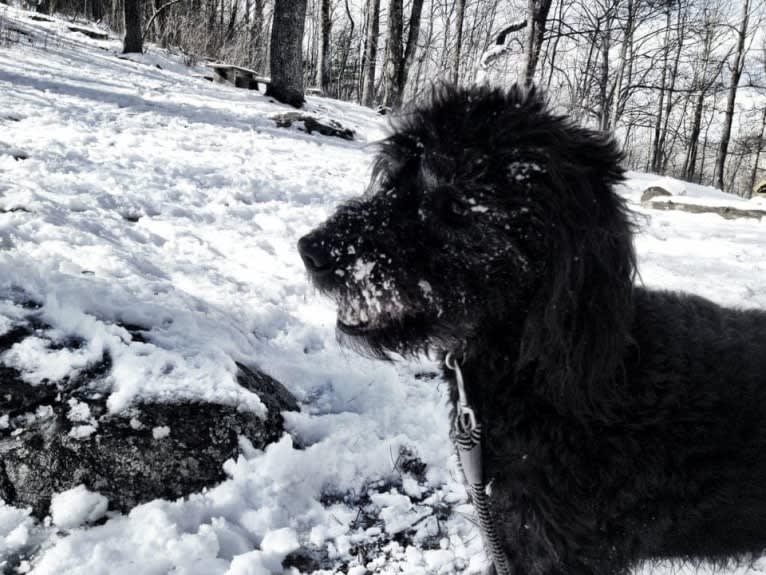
x,y
316,255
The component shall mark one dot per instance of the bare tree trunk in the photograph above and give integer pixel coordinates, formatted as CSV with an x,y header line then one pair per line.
x,y
458,40
447,18
346,51
736,72
310,40
670,146
690,162
286,52
232,27
371,52
424,53
656,147
705,141
622,67
582,94
758,148
680,33
411,46
557,38
159,21
537,16
733,172
257,36
703,81
529,46
393,90
220,30
603,120
134,41
323,59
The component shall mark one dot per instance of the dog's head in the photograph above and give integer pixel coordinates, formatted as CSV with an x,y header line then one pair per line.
x,y
483,208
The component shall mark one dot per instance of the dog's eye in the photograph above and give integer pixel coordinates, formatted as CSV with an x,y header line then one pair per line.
x,y
457,208
453,210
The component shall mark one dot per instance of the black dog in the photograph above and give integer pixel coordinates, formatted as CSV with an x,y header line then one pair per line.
x,y
620,424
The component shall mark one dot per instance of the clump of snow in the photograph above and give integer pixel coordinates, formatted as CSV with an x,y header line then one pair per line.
x,y
38,362
82,431
523,170
280,542
161,432
368,300
78,410
77,506
5,325
362,269
15,527
480,209
80,414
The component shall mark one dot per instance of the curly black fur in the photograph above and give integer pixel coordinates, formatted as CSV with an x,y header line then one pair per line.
x,y
622,424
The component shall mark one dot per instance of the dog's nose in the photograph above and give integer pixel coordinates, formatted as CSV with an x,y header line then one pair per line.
x,y
316,257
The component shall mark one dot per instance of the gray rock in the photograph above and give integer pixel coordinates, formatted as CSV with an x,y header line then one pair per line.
x,y
654,192
165,450
727,212
312,124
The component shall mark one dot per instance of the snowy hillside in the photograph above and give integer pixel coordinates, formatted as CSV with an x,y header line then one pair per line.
x,y
135,192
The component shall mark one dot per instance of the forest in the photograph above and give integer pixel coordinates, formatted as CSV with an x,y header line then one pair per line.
x,y
682,83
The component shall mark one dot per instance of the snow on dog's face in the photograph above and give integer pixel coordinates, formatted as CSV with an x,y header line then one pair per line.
x,y
443,238
482,205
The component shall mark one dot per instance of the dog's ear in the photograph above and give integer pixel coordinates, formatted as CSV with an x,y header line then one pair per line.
x,y
575,338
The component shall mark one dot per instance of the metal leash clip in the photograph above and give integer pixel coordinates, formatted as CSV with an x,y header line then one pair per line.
x,y
466,418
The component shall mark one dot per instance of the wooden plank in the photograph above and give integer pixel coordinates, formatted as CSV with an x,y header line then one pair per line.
x,y
89,32
238,76
232,67
254,73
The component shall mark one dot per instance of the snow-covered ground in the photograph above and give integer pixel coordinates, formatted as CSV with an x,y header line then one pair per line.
x,y
151,197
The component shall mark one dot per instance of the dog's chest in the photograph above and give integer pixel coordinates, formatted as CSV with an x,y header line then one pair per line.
x,y
525,441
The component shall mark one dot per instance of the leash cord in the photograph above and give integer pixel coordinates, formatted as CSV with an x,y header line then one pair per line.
x,y
467,434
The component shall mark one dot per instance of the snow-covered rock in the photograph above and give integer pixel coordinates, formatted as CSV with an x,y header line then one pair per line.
x,y
59,434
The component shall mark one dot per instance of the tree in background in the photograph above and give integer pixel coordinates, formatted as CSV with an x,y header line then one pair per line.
x,y
668,77
134,37
371,52
400,57
706,73
394,59
760,140
736,72
537,19
287,52
323,61
459,17
673,34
